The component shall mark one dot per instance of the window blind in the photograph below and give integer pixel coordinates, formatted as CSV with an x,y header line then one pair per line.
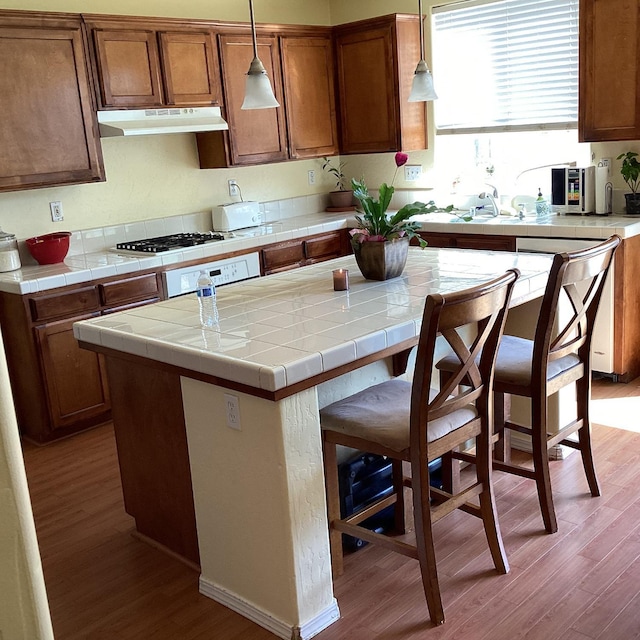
x,y
507,65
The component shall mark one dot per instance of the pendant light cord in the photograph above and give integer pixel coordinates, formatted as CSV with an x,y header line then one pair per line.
x,y
421,30
253,29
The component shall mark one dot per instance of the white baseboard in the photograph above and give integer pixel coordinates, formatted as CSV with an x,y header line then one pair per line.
x,y
522,442
277,627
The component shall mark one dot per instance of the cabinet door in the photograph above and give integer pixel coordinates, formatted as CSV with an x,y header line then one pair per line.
x,y
366,75
609,70
375,61
191,69
128,68
257,135
48,129
308,76
75,378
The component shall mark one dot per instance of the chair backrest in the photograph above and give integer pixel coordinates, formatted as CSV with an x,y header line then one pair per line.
x,y
579,278
452,317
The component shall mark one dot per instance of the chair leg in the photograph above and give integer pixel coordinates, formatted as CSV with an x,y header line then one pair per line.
x,y
488,510
541,462
583,393
398,488
501,413
450,471
333,505
424,539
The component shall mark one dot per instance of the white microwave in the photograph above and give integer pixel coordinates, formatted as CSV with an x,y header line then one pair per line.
x,y
573,189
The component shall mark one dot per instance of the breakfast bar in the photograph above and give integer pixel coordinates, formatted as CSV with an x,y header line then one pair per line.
x,y
218,428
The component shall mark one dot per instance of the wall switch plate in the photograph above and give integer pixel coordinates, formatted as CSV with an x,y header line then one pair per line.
x,y
412,172
234,189
311,174
232,408
56,211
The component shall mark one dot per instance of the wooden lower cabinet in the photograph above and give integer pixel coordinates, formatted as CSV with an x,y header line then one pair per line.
x,y
59,388
292,254
74,379
469,241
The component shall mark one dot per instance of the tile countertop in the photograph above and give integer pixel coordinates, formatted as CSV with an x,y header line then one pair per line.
x,y
102,264
288,327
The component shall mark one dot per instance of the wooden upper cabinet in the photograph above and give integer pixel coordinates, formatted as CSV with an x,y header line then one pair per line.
x,y
48,129
128,68
146,63
376,60
257,135
190,68
609,70
308,74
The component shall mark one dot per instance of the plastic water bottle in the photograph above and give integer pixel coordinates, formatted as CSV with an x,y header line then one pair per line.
x,y
206,291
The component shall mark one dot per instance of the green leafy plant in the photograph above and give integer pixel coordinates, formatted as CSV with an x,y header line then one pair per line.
x,y
374,225
337,171
630,170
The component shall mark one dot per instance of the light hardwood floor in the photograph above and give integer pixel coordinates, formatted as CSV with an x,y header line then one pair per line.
x,y
578,584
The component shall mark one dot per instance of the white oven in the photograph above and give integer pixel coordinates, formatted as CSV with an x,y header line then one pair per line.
x,y
178,282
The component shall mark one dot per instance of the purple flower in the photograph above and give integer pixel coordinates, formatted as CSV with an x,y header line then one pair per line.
x,y
401,159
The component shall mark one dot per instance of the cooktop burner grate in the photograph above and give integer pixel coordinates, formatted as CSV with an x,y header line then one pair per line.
x,y
167,243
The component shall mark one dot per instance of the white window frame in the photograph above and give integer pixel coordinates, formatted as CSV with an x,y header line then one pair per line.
x,y
485,87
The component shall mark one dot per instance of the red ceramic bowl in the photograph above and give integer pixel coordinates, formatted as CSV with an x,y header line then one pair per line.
x,y
50,248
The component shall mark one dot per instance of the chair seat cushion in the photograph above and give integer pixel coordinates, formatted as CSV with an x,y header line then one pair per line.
x,y
381,414
513,364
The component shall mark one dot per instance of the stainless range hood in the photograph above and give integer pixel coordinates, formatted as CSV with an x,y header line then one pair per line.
x,y
142,122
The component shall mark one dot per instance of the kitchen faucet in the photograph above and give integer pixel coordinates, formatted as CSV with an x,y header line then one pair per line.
x,y
492,198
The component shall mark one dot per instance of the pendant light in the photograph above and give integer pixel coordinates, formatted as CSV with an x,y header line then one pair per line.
x,y
258,92
422,88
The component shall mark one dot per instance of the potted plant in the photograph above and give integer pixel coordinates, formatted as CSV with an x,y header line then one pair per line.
x,y
381,241
630,171
341,198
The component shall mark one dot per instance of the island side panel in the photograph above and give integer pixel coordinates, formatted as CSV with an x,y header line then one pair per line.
x,y
260,506
152,453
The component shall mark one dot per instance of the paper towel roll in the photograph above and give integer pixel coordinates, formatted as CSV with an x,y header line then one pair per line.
x,y
602,178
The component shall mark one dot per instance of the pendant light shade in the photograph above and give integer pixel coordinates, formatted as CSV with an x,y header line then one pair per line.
x,y
422,88
258,92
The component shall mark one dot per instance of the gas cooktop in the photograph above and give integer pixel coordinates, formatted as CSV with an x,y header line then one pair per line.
x,y
169,243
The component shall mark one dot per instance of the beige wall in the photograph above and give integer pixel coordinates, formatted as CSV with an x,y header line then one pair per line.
x,y
157,176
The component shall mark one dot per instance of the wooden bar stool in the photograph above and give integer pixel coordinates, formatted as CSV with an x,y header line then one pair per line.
x,y
559,355
414,422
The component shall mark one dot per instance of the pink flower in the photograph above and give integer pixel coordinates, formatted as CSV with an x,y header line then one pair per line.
x,y
401,159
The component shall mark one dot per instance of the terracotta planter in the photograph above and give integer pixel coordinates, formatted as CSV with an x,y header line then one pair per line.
x,y
633,203
341,199
382,260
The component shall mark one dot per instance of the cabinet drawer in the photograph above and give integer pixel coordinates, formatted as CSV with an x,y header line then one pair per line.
x,y
323,248
68,304
283,255
129,289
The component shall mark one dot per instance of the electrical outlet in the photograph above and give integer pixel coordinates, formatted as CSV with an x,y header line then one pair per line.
x,y
234,189
232,405
412,172
311,174
56,211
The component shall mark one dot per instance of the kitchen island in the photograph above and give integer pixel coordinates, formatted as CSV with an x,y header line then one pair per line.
x,y
218,429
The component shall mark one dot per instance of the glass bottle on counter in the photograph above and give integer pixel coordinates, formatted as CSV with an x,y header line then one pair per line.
x,y
206,292
9,256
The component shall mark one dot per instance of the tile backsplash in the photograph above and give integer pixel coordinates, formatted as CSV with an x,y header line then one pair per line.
x,y
101,238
